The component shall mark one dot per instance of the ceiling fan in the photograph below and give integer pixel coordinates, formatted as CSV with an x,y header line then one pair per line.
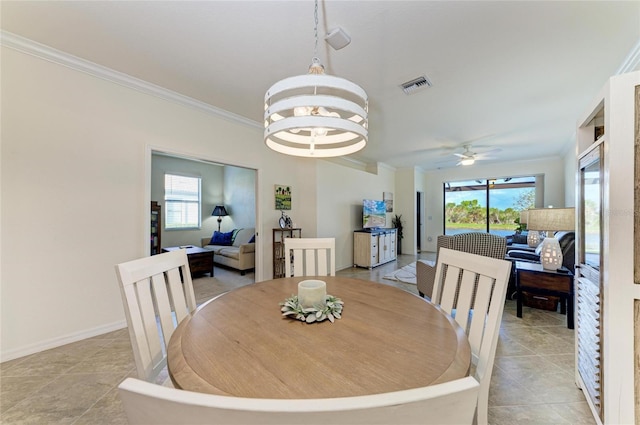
x,y
469,158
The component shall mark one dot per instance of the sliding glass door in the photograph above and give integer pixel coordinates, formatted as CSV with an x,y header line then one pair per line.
x,y
487,205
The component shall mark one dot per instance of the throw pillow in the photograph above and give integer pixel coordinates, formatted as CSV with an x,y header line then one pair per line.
x,y
220,238
253,239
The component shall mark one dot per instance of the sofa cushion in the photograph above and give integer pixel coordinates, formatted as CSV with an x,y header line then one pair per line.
x,y
220,238
230,252
214,248
243,236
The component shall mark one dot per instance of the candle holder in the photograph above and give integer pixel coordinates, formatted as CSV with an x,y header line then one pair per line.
x,y
312,304
312,293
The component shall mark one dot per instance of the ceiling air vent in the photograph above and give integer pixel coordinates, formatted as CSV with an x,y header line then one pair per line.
x,y
416,84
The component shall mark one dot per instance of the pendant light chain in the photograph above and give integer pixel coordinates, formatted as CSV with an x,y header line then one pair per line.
x,y
315,15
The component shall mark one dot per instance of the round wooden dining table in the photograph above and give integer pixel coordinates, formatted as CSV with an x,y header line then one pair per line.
x,y
239,344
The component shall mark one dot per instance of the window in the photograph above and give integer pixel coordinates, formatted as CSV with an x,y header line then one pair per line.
x,y
487,205
182,202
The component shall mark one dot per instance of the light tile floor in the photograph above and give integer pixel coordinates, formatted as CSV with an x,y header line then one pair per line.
x,y
533,377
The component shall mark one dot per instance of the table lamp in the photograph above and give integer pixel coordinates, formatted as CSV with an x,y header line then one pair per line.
x,y
220,211
551,220
533,237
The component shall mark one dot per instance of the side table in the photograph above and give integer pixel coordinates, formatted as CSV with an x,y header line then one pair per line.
x,y
200,259
533,278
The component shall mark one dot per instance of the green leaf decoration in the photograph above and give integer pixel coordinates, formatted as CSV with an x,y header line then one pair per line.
x,y
331,310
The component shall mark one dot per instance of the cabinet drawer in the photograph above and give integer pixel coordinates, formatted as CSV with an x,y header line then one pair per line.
x,y
550,282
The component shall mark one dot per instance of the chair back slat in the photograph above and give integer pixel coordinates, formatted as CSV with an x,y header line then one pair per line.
x,y
157,293
465,288
322,266
449,289
472,288
451,402
311,256
146,304
144,343
481,303
177,296
298,262
163,306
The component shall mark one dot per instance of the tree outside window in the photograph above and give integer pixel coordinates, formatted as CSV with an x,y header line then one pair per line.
x,y
487,205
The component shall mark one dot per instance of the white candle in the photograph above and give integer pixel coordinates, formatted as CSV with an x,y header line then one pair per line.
x,y
312,292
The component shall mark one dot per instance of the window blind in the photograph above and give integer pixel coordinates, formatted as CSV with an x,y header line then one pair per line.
x,y
182,202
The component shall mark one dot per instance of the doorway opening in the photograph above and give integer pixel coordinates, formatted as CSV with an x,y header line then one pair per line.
x,y
221,184
419,219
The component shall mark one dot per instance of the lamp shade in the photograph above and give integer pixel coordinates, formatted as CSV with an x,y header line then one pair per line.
x,y
220,211
524,216
551,219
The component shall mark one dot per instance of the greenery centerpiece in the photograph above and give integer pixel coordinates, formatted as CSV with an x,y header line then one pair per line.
x,y
332,309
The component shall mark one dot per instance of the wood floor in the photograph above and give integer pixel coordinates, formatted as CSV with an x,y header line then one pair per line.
x,y
533,377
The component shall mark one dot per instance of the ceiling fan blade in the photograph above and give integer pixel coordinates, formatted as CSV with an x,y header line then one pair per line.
x,y
494,150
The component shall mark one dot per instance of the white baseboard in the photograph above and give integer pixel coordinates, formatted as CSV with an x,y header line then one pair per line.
x,y
59,341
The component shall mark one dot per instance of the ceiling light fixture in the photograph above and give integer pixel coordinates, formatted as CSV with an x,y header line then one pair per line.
x,y
467,161
315,115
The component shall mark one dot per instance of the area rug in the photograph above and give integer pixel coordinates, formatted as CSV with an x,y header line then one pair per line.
x,y
407,274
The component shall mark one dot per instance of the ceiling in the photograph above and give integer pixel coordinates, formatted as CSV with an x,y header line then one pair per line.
x,y
508,77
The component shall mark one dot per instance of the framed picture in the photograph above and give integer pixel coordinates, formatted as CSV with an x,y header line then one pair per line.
x,y
283,197
387,197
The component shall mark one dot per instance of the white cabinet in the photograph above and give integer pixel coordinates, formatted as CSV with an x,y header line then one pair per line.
x,y
607,360
372,248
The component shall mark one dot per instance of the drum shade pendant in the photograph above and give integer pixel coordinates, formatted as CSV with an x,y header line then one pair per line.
x,y
315,115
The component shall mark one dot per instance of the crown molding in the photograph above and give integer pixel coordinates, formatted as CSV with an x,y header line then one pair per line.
x,y
631,62
50,54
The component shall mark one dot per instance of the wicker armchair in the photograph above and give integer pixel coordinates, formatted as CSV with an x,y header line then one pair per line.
x,y
477,243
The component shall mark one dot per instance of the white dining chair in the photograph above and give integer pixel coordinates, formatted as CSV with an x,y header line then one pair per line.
x,y
157,293
452,402
455,290
311,256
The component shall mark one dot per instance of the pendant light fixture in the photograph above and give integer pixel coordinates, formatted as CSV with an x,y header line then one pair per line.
x,y
315,115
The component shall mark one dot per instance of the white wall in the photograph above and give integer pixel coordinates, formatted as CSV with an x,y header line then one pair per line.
x,y
405,205
340,193
554,190
75,193
570,165
239,199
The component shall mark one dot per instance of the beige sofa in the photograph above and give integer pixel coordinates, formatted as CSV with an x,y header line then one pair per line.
x,y
241,255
